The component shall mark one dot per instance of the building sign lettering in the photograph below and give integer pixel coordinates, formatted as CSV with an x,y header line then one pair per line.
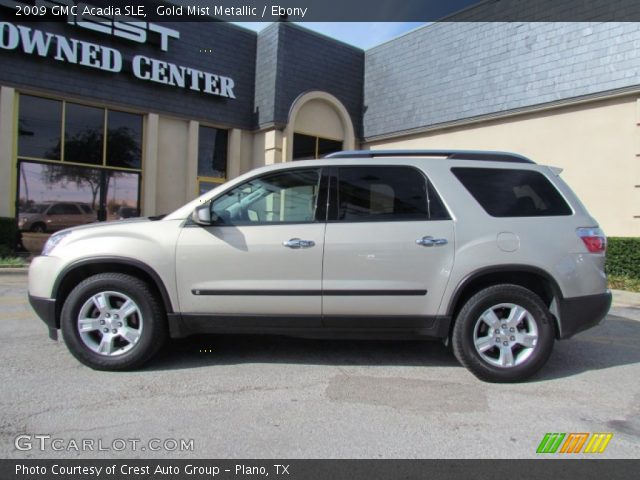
x,y
32,41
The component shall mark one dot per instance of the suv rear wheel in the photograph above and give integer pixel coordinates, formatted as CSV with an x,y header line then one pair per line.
x,y
503,333
113,321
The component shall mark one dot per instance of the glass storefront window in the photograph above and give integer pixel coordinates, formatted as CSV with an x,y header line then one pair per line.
x,y
122,195
304,147
83,134
53,196
327,146
308,147
212,152
124,139
212,158
39,127
66,157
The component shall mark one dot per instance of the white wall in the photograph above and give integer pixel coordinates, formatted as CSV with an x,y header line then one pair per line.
x,y
597,144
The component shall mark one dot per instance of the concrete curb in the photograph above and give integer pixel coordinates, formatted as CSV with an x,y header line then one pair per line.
x,y
624,298
14,270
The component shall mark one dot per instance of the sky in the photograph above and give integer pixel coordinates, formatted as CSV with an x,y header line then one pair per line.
x,y
360,34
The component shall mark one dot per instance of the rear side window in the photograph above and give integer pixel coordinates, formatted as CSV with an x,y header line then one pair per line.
x,y
512,193
384,194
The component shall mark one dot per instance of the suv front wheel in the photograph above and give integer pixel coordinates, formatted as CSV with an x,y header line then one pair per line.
x,y
503,333
113,321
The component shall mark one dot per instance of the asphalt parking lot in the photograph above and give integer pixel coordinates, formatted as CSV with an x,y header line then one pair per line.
x,y
261,397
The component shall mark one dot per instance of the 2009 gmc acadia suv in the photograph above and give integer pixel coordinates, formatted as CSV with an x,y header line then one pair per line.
x,y
486,250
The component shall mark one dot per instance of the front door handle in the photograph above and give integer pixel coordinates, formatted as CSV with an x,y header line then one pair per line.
x,y
429,241
298,243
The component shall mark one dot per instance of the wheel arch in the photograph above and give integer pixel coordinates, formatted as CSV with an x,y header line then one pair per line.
x,y
81,269
535,279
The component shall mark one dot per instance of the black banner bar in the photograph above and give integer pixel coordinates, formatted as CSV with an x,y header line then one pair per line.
x,y
329,10
584,469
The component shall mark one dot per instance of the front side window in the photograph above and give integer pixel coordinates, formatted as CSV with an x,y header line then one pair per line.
x,y
286,197
386,193
512,193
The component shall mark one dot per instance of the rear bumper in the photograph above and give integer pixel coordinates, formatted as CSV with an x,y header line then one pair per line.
x,y
580,313
45,308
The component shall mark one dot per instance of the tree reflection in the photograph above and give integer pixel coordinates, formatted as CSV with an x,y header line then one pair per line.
x,y
86,147
123,148
62,175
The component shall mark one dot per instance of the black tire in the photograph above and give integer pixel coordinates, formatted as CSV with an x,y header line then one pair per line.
x,y
149,318
39,228
469,329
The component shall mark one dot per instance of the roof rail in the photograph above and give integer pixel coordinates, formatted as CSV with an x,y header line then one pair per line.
x,y
485,155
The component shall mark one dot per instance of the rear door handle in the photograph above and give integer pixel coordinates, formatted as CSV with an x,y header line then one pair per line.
x,y
298,243
429,241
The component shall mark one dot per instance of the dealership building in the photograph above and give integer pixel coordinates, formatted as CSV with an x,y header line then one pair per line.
x,y
140,118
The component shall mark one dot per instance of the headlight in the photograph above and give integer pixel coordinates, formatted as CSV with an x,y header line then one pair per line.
x,y
53,240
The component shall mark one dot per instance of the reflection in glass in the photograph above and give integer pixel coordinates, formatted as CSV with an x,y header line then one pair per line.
x,y
83,134
122,195
52,197
80,195
39,127
124,139
212,152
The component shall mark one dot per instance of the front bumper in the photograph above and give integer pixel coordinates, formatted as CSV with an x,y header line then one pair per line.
x,y
580,313
45,308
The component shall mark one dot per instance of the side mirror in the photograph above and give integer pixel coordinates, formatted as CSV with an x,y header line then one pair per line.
x,y
202,215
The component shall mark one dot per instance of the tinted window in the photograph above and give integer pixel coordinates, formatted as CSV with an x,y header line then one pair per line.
x,y
512,193
39,127
304,146
212,152
83,134
326,146
367,194
287,197
124,139
307,146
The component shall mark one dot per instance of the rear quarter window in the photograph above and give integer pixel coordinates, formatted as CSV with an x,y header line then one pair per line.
x,y
512,193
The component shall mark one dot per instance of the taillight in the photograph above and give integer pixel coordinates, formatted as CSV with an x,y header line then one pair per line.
x,y
593,239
